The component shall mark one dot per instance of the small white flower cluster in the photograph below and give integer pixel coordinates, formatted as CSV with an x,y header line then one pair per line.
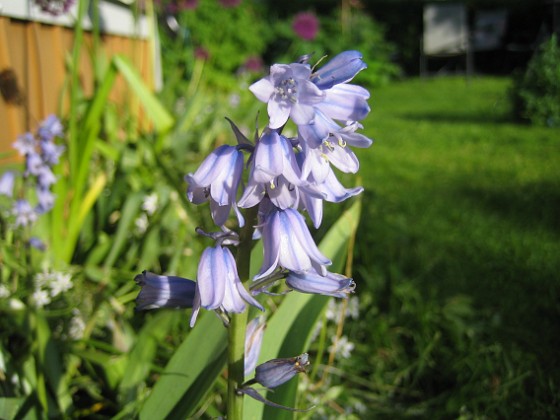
x,y
77,325
149,205
4,291
336,308
341,346
49,285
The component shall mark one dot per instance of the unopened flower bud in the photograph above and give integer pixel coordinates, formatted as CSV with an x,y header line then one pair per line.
x,y
275,372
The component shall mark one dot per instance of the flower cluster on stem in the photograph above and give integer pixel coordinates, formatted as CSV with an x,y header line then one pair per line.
x,y
41,154
287,178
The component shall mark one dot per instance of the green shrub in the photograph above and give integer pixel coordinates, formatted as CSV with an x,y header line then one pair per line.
x,y
224,36
357,31
536,92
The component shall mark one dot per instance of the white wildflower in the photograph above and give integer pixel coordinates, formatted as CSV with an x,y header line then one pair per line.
x,y
341,346
332,310
141,223
60,282
150,203
353,308
4,291
43,279
77,326
40,298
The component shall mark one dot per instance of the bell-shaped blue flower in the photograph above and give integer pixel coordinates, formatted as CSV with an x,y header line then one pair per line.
x,y
287,243
289,94
50,128
340,69
25,144
51,152
164,291
275,372
274,156
24,213
331,284
7,183
274,173
45,199
218,285
217,180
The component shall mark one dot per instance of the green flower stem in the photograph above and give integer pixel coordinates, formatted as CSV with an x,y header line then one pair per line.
x,y
238,323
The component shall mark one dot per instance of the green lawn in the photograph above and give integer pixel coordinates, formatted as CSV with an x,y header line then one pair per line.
x,y
458,259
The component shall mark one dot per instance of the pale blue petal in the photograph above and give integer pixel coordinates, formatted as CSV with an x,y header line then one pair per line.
x,y
300,71
253,340
220,214
302,113
291,170
278,112
268,159
253,194
342,158
262,89
298,232
211,278
335,191
340,69
331,284
345,103
308,93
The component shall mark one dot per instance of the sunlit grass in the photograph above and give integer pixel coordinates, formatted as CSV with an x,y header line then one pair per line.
x,y
458,261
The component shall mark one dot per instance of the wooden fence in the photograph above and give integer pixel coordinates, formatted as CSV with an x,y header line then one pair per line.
x,y
34,73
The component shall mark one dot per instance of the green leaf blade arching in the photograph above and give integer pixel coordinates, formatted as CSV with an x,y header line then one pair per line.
x,y
190,373
162,120
288,332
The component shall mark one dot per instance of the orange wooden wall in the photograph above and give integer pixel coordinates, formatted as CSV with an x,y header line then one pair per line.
x,y
36,54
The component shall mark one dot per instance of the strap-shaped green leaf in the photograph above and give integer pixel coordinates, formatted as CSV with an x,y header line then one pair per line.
x,y
161,119
289,331
190,373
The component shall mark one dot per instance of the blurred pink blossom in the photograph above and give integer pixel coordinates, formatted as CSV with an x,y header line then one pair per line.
x,y
306,25
188,4
230,3
253,64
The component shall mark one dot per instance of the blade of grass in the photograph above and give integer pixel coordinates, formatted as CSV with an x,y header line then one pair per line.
x,y
142,355
128,214
162,120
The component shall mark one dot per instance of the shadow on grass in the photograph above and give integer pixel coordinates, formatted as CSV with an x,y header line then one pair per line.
x,y
471,271
535,205
460,117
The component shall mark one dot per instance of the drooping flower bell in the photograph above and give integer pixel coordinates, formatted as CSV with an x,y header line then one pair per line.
x,y
341,68
331,284
274,172
217,180
218,285
287,243
164,291
24,213
7,183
